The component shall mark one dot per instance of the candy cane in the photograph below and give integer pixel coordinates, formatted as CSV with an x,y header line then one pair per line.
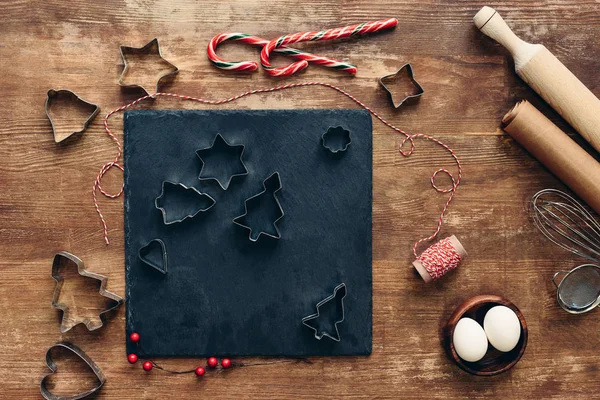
x,y
258,41
330,34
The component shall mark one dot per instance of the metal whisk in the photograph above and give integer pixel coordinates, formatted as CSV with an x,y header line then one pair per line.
x,y
566,223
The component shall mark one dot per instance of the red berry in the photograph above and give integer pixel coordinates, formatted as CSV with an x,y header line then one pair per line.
x,y
132,358
147,366
134,337
212,362
226,363
200,371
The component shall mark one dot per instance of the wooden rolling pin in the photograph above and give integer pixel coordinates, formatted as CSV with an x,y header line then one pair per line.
x,y
547,76
556,150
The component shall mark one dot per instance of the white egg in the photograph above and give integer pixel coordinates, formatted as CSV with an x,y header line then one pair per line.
x,y
469,340
502,328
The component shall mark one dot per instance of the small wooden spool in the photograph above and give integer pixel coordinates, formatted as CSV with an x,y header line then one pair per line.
x,y
421,268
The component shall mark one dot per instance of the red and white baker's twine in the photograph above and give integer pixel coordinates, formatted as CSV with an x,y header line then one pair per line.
x,y
440,258
114,163
278,45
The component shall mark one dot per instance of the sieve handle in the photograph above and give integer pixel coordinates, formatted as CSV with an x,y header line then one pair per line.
x,y
556,276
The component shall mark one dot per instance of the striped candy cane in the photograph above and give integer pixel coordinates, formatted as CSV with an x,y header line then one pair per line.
x,y
258,41
330,34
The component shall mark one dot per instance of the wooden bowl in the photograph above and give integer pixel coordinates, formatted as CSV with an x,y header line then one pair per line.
x,y
494,362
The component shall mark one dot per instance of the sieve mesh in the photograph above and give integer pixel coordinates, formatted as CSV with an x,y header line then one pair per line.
x,y
580,288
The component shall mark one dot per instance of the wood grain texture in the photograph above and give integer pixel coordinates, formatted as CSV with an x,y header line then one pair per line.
x,y
46,203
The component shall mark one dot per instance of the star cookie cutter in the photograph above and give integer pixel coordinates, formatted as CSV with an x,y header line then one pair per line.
x,y
52,365
91,323
53,96
409,71
341,288
220,141
152,47
145,252
336,139
240,219
163,194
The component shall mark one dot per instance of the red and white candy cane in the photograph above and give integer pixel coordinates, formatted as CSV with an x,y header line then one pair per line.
x,y
258,41
330,34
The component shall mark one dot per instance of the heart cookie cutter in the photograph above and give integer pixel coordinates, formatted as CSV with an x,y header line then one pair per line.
x,y
83,356
91,323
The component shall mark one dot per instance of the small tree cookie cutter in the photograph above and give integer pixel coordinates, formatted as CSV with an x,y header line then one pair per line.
x,y
158,202
239,220
91,323
330,335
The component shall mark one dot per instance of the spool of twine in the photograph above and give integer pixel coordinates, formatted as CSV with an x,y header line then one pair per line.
x,y
439,259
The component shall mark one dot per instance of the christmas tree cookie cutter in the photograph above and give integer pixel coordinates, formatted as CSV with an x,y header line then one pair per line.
x,y
63,258
52,365
168,187
339,291
274,179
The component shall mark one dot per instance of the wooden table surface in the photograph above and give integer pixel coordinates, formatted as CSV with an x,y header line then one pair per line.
x,y
46,203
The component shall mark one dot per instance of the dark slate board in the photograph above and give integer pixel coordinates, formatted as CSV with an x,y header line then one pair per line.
x,y
224,295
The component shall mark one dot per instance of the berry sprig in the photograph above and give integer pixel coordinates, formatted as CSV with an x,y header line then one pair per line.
x,y
212,363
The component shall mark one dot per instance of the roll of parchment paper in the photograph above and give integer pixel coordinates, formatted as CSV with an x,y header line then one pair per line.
x,y
556,150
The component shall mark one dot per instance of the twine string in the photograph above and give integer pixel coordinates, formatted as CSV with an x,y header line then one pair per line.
x,y
233,365
406,153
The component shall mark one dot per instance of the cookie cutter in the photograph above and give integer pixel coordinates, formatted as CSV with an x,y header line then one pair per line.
x,y
318,314
159,199
152,47
91,324
346,139
238,220
396,74
52,95
83,356
221,141
147,249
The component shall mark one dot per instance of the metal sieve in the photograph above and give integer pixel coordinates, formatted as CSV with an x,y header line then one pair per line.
x,y
579,289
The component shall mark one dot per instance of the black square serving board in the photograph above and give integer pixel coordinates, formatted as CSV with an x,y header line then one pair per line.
x,y
223,294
